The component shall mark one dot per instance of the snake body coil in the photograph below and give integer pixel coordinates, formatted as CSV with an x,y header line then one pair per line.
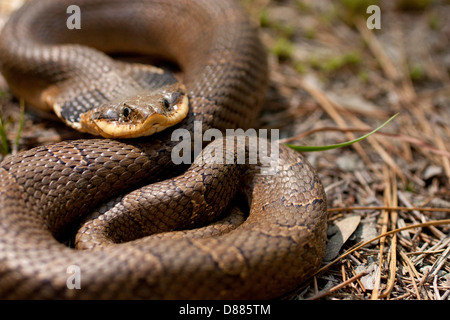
x,y
45,190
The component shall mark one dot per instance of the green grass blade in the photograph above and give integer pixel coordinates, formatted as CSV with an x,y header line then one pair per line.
x,y
339,145
4,149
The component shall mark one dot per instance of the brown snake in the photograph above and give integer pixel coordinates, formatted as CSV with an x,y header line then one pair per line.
x,y
46,190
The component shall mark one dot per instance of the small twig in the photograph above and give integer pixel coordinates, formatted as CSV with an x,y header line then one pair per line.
x,y
331,210
413,280
403,296
393,249
436,290
384,226
424,277
339,286
445,161
418,225
412,272
440,262
406,202
446,295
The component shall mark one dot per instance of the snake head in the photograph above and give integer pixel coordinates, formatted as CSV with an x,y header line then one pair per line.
x,y
138,115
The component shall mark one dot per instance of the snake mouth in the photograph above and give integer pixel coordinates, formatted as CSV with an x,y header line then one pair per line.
x,y
131,120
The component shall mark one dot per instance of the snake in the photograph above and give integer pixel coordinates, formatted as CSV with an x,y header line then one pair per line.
x,y
141,225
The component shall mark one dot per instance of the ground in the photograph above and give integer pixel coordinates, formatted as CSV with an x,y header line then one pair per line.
x,y
332,79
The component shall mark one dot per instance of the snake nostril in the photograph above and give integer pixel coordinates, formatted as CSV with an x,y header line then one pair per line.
x,y
166,104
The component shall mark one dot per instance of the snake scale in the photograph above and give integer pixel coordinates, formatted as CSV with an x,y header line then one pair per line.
x,y
132,190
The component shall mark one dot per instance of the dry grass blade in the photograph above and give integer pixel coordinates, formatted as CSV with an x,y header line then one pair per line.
x,y
429,209
358,246
413,275
391,200
339,286
378,51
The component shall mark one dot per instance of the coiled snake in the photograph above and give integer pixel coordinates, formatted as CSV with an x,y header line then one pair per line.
x,y
46,190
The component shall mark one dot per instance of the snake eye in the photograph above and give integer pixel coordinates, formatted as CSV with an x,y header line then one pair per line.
x,y
126,112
